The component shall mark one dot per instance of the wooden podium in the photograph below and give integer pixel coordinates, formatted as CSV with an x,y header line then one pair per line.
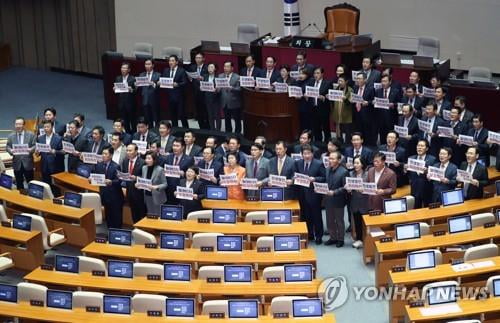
x,y
270,114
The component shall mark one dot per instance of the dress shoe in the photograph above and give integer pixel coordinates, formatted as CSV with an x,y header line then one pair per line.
x,y
330,242
310,238
348,229
319,241
339,244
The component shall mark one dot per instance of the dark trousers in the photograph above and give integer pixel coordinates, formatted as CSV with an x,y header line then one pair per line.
x,y
114,214
129,118
178,113
364,122
201,109
137,207
151,115
47,178
213,116
321,123
310,212
21,175
358,224
305,117
385,122
232,114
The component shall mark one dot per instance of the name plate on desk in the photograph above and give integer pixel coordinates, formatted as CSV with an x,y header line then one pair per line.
x,y
417,304
100,240
207,249
57,201
375,212
489,225
99,273
487,195
213,280
155,313
264,249
258,222
203,220
281,315
153,277
306,42
6,224
434,205
46,267
398,269
152,216
93,309
457,261
34,302
273,280
439,233
386,239
216,315
151,245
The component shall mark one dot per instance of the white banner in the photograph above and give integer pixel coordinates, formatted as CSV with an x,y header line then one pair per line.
x,y
229,179
184,193
277,181
301,180
97,179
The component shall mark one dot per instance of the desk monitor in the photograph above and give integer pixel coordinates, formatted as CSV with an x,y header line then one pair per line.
x,y
59,299
8,293
120,237
407,231
247,309
287,242
6,181
390,58
216,193
423,61
180,307
421,260
395,205
21,222
73,199
240,48
279,216
67,264
496,287
238,274
83,171
224,215
497,186
117,304
177,272
459,223
172,241
171,212
452,197
441,295
298,273
229,243
121,269
209,46
35,190
310,307
271,194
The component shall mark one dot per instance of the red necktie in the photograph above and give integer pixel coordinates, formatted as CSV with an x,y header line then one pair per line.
x,y
358,105
255,164
131,167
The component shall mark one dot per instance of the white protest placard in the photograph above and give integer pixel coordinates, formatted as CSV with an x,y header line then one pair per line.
x,y
142,81
320,188
369,188
400,108
354,183
194,75
301,180
121,87
446,132
172,171
141,146
335,95
356,98
446,115
326,161
435,173
390,157
98,158
97,179
68,147
263,82
197,159
464,176
312,91
249,184
402,131
43,148
184,193
294,91
294,74
144,184
41,132
277,181
222,83
247,81
466,140
416,165
424,126
206,174
428,92
348,163
20,149
296,156
124,176
166,82
381,103
207,86
377,86
89,158
280,87
494,137
354,74
229,179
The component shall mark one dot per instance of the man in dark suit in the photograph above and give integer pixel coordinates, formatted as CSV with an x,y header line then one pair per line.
x,y
79,142
372,75
474,190
449,182
176,94
310,202
192,149
257,167
165,136
465,114
22,164
98,143
421,187
441,101
409,121
150,95
435,121
358,149
480,136
233,145
364,115
53,161
270,71
411,97
84,130
230,99
126,101
386,118
209,162
132,164
119,126
219,150
305,137
250,69
283,165
459,128
414,80
50,114
301,63
161,157
143,133
177,158
384,178
262,141
393,146
320,107
200,67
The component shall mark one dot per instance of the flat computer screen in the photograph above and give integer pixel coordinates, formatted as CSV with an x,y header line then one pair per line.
x,y
224,215
6,181
117,304
83,171
120,237
216,193
21,222
407,231
271,194
496,287
311,307
172,241
243,309
452,197
441,295
177,272
8,293
421,260
73,199
171,212
59,299
459,224
35,190
229,243
298,273
279,216
67,264
392,206
237,274
121,269
287,243
180,307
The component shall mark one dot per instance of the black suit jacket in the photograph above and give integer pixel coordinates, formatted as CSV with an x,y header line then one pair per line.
x,y
484,152
102,144
184,162
150,137
195,151
436,141
287,170
323,90
126,100
401,158
256,72
194,205
110,194
308,67
481,174
177,93
366,154
274,75
373,77
316,170
80,144
217,166
368,95
394,97
52,163
418,104
419,184
413,131
132,191
150,94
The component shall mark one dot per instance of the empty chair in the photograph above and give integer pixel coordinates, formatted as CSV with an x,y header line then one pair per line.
x,y
167,51
216,306
3,214
205,240
410,202
144,269
50,238
424,228
145,49
341,19
482,251
489,284
426,287
438,256
256,216
247,33
274,272
428,46
89,264
84,299
142,303
481,74
283,304
142,237
265,242
93,201
47,190
211,272
29,291
203,214
478,220
6,261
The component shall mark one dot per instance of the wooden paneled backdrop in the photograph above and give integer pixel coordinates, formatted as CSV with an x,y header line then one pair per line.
x,y
66,34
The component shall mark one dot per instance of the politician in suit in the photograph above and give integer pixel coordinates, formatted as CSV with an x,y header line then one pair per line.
x,y
250,69
435,121
386,118
209,162
230,98
126,101
177,158
320,107
372,75
155,197
384,178
191,149
132,164
393,146
150,99
459,128
191,181
165,136
474,190
441,101
176,94
449,182
420,186
271,72
411,97
98,143
111,194
301,64
257,167
212,99
480,136
358,149
143,133
50,114
79,142
52,162
23,164
283,165
364,114
310,202
410,121
199,67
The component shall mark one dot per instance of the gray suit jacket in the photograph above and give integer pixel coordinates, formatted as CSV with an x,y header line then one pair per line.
x,y
231,98
262,169
25,160
157,178
336,181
